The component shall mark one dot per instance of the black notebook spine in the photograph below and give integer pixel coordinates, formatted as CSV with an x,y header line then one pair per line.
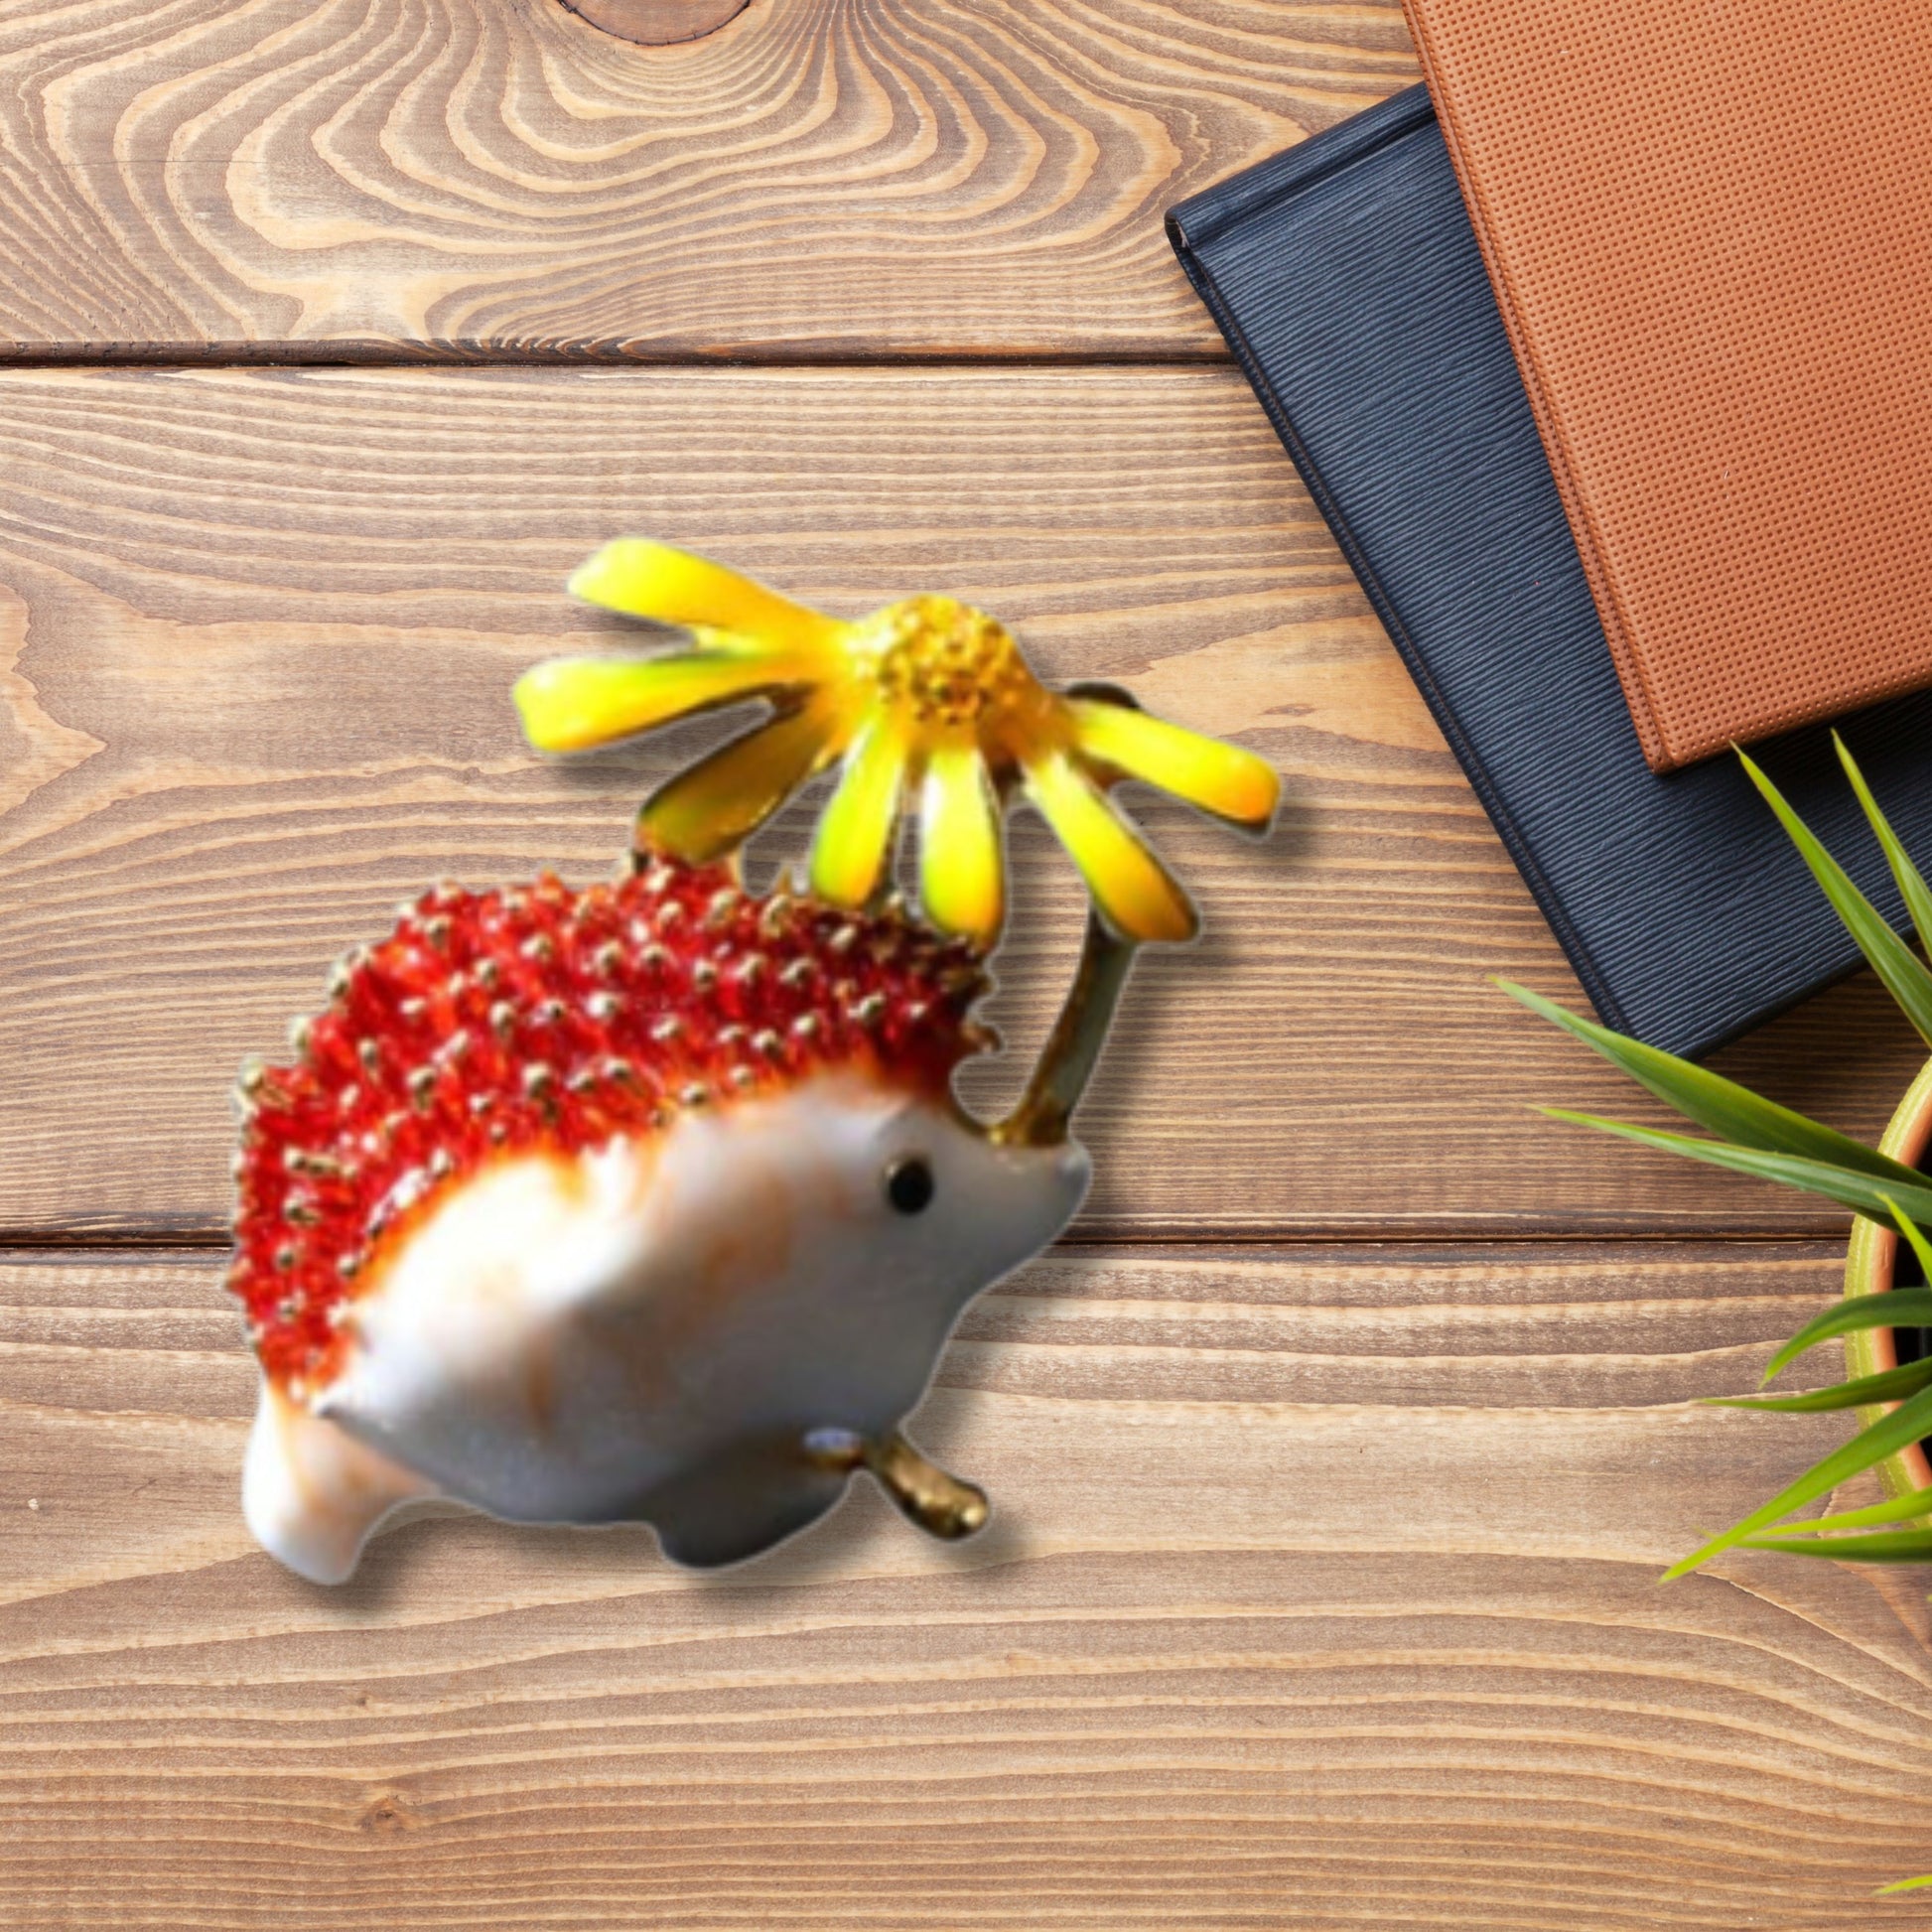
x,y
1206,217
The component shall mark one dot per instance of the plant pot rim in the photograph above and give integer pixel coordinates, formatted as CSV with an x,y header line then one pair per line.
x,y
1869,1262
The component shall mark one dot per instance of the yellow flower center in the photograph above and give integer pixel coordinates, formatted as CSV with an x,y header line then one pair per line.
x,y
945,664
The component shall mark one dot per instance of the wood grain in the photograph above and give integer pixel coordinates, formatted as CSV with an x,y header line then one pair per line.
x,y
1320,1588
272,177
260,630
1321,1592
261,633
657,23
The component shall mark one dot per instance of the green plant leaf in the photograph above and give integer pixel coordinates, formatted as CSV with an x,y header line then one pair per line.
x,y
1910,1229
1899,1307
1904,1884
1894,1509
1888,1385
1860,1191
1882,1546
1911,883
1732,1112
1905,975
1889,1434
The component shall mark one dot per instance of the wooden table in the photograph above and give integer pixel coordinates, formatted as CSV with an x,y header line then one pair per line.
x,y
1336,1452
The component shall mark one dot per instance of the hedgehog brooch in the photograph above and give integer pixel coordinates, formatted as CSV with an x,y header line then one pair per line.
x,y
652,1201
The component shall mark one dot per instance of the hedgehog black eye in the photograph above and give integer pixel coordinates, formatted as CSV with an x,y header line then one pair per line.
x,y
908,1185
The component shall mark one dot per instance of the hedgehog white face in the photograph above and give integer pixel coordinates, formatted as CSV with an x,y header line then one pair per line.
x,y
669,1329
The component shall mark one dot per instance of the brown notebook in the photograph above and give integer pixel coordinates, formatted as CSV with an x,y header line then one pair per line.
x,y
1709,224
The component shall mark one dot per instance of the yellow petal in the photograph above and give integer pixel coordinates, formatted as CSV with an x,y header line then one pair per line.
x,y
651,580
855,834
1129,884
1218,778
715,806
961,864
573,702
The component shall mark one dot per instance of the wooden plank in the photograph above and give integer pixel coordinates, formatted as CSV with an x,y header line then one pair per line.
x,y
657,23
1321,1592
261,630
954,176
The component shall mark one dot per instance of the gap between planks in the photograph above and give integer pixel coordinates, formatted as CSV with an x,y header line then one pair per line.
x,y
175,357
160,1243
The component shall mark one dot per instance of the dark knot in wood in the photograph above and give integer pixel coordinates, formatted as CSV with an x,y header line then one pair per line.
x,y
386,1815
656,23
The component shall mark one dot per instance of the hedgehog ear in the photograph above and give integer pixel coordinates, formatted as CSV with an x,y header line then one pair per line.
x,y
1072,1050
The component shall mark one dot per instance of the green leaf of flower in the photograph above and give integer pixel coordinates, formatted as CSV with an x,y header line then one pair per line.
x,y
1888,1385
1901,1308
1714,1102
1906,1423
1882,1546
1894,1509
1858,1190
1911,883
1905,975
1910,1229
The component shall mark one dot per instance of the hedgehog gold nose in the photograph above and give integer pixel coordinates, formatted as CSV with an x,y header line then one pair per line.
x,y
940,1504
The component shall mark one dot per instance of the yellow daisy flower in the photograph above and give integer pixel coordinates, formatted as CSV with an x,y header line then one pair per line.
x,y
928,703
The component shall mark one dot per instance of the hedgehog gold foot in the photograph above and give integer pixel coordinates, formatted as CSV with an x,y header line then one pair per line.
x,y
940,1504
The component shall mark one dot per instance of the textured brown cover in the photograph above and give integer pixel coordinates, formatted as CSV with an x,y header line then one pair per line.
x,y
1709,228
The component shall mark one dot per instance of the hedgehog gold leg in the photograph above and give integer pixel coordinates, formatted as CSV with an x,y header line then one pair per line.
x,y
941,1504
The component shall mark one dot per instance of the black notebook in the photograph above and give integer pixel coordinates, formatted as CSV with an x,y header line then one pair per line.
x,y
1348,280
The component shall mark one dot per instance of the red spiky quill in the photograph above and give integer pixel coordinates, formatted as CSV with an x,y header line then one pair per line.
x,y
546,1019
